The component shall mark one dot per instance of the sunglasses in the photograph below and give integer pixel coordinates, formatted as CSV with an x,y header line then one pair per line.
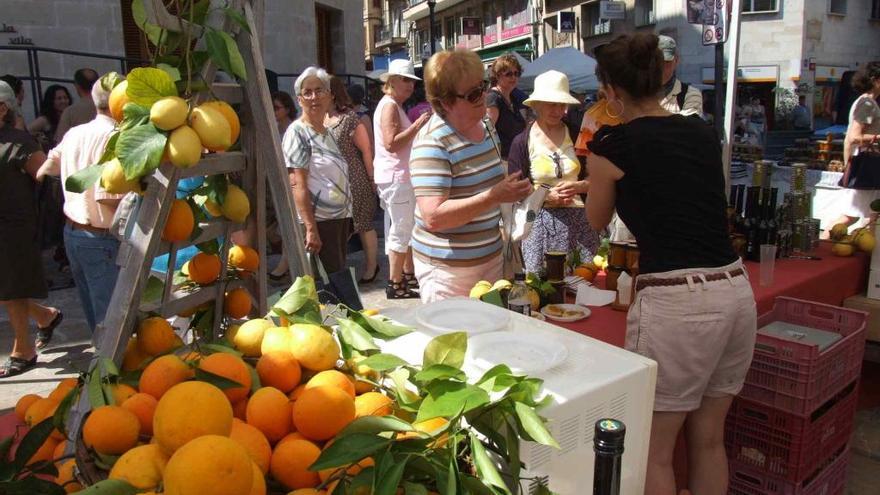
x,y
557,161
475,95
512,73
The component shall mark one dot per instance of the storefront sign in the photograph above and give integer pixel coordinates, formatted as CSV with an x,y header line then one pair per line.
x,y
829,73
471,26
613,11
761,73
515,31
565,22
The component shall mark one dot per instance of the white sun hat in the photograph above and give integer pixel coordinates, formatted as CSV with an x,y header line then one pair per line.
x,y
551,87
400,67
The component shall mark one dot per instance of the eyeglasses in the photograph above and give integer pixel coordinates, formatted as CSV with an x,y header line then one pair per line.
x,y
309,94
474,95
512,73
557,161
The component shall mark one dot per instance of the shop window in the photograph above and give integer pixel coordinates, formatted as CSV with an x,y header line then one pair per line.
x,y
837,7
592,24
516,13
450,33
759,6
644,12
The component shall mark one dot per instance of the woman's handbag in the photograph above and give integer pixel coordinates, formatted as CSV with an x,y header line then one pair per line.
x,y
863,171
337,287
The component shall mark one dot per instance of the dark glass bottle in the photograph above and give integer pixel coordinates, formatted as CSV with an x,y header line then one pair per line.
x,y
608,446
750,224
770,214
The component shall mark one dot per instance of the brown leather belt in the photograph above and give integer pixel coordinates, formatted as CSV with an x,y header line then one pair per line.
x,y
641,283
87,228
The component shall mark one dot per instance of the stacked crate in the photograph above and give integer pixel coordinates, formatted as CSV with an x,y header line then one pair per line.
x,y
788,431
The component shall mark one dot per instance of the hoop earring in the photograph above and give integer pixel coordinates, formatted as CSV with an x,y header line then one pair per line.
x,y
608,105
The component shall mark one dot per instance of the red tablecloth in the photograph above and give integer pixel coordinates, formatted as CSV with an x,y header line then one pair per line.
x,y
829,280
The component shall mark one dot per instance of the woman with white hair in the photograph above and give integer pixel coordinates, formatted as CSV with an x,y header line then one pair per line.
x,y
20,158
318,172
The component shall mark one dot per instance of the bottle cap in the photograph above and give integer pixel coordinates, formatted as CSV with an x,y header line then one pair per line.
x,y
609,436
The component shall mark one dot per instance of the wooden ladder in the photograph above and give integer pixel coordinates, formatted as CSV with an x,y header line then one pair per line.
x,y
259,160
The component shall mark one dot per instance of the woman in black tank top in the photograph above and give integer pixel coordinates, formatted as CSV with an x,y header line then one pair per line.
x,y
694,310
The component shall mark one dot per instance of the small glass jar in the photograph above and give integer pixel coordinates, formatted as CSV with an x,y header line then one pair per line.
x,y
617,254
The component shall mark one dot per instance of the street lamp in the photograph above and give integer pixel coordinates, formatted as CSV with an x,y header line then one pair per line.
x,y
431,5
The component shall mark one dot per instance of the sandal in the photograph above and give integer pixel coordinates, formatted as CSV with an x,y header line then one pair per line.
x,y
411,281
44,335
16,366
399,290
365,280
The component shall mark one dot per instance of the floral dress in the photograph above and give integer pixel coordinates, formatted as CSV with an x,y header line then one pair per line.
x,y
362,195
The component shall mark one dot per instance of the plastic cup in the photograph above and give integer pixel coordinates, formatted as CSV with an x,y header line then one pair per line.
x,y
768,264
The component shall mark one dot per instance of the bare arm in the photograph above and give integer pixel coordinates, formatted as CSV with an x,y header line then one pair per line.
x,y
368,125
34,164
600,202
364,145
855,137
393,136
39,124
441,213
299,182
50,166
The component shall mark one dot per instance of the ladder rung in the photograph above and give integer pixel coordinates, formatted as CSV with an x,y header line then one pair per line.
x,y
229,92
215,164
210,230
180,301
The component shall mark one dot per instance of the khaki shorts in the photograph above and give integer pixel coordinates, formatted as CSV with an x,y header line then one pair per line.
x,y
702,335
437,283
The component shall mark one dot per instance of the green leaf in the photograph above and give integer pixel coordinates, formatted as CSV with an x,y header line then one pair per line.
x,y
31,485
382,326
348,449
172,72
235,59
134,115
476,486
400,377
498,378
209,247
355,335
302,291
139,15
493,297
448,349
411,488
439,371
5,445
375,424
131,378
534,425
389,472
44,467
140,150
221,348
59,419
105,461
109,367
110,148
514,464
238,18
485,467
218,381
32,442
153,291
219,50
84,179
147,85
110,487
448,398
109,80
255,378
95,390
383,362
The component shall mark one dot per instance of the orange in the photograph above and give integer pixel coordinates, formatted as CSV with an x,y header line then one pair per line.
x,y
111,430
296,392
332,378
63,388
210,464
45,452
121,393
204,268
430,426
229,114
133,358
244,258
237,303
269,411
59,450
232,367
118,99
190,410
259,484
321,412
239,409
180,223
254,442
65,477
155,336
308,491
585,272
372,404
144,407
291,461
279,369
313,347
39,410
162,374
142,467
24,403
291,436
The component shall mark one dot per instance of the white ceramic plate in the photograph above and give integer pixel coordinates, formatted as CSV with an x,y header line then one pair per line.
x,y
579,312
523,352
462,315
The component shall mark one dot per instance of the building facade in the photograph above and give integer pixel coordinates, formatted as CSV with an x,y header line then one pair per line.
x,y
296,34
388,32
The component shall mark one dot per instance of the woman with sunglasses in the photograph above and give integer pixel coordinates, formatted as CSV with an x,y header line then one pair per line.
x,y
545,153
500,108
459,182
394,137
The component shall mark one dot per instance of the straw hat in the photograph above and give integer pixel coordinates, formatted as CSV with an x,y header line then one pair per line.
x,y
551,87
400,67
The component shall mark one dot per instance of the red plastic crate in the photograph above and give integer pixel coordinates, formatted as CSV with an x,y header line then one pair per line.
x,y
796,377
783,444
745,480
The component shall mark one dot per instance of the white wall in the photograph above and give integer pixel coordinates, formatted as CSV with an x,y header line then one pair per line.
x,y
843,40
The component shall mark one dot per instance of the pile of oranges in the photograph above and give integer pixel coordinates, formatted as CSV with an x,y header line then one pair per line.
x,y
177,434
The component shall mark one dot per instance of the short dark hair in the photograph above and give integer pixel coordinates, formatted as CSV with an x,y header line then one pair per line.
x,y
864,79
85,78
13,82
287,101
356,93
633,63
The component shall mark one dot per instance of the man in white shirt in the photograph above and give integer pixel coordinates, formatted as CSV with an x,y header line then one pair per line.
x,y
90,247
678,97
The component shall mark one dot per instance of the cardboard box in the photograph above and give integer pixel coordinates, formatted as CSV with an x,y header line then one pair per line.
x,y
874,285
872,307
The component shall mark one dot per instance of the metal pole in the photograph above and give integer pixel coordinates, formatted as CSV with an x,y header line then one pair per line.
x,y
730,99
431,4
719,89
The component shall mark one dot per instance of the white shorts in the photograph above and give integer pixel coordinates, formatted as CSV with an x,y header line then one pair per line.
x,y
860,202
443,282
399,203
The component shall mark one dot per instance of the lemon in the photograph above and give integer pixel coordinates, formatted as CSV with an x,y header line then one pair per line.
x,y
502,284
479,290
212,128
249,337
839,230
113,179
236,206
169,113
865,241
118,99
184,147
213,208
842,249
